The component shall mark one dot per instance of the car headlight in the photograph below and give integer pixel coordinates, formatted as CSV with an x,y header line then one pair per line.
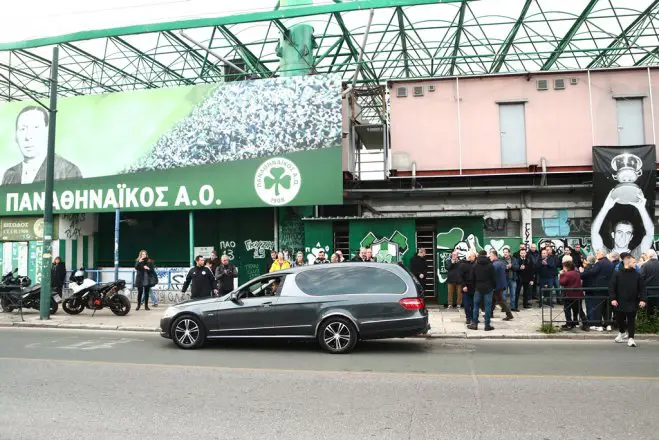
x,y
171,311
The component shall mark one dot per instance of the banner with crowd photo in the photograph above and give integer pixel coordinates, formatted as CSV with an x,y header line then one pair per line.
x,y
624,183
460,234
390,240
271,142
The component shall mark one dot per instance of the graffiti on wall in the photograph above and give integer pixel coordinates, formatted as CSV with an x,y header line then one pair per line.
x,y
312,252
495,225
260,247
386,249
559,244
447,242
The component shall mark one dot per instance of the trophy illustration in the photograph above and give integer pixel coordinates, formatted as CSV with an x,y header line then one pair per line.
x,y
628,169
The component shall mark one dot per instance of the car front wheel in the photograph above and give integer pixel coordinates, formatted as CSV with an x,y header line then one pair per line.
x,y
188,332
337,335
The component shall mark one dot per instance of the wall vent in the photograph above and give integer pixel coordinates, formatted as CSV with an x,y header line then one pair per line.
x,y
559,84
541,84
401,92
431,88
418,90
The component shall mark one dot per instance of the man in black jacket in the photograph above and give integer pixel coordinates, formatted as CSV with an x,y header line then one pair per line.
x,y
526,278
485,281
419,265
627,292
650,274
202,280
452,265
467,277
225,273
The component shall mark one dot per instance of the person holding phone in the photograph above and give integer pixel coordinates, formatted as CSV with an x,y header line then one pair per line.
x,y
143,269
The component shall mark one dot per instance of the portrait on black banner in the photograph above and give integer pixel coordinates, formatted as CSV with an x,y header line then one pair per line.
x,y
624,180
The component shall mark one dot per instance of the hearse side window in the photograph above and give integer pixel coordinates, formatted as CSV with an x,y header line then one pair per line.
x,y
349,280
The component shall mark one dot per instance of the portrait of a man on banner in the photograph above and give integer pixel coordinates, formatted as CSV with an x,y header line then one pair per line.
x,y
623,199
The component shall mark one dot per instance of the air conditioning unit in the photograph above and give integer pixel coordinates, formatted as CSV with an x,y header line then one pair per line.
x,y
573,81
542,84
559,84
431,88
401,92
418,90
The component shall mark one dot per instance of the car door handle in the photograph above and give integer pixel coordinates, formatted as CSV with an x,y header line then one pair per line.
x,y
266,304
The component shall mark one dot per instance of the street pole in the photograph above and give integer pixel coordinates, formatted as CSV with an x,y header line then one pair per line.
x,y
191,237
48,196
117,223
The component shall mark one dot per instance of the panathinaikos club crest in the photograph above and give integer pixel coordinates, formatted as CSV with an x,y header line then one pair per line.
x,y
386,249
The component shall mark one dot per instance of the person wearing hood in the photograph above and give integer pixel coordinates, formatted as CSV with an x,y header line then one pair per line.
x,y
484,279
628,293
501,284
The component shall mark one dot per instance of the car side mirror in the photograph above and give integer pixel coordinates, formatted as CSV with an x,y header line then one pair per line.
x,y
234,296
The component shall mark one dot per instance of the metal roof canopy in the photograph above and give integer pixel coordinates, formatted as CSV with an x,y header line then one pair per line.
x,y
407,39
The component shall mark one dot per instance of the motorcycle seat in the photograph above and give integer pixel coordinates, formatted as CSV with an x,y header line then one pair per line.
x,y
31,289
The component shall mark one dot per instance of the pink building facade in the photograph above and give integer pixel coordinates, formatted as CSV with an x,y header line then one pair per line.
x,y
519,123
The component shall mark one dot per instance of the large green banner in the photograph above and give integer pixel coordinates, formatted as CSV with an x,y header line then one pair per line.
x,y
274,142
318,235
460,234
390,240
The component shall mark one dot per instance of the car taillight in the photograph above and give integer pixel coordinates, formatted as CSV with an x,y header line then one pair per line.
x,y
413,303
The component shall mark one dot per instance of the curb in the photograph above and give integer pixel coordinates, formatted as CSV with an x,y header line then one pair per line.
x,y
459,335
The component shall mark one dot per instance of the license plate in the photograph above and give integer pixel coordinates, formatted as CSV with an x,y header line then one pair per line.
x,y
58,299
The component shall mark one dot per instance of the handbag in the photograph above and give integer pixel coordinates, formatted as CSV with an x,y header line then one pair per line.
x,y
153,278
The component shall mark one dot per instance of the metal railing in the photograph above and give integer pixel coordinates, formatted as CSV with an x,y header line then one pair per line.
x,y
594,302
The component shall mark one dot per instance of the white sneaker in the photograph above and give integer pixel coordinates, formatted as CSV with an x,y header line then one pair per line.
x,y
621,337
450,307
631,343
592,327
608,328
599,329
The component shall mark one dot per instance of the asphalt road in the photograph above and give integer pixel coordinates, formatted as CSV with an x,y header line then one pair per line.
x,y
102,385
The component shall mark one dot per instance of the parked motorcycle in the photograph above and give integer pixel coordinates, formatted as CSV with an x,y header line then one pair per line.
x,y
15,293
88,294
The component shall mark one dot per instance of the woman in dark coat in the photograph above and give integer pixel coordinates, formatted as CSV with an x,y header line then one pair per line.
x,y
143,268
58,275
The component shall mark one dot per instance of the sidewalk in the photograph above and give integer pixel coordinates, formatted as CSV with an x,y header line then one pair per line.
x,y
445,324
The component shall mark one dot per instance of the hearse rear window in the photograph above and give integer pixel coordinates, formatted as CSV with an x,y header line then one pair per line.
x,y
349,280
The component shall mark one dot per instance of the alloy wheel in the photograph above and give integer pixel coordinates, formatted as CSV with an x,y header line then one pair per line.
x,y
337,336
187,332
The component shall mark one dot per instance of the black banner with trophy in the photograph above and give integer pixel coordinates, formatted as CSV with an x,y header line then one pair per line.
x,y
624,180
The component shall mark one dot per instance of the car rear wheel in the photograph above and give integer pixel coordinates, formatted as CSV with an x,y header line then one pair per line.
x,y
337,335
188,332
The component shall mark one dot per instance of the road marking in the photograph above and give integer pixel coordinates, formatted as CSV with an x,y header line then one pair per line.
x,y
103,343
336,372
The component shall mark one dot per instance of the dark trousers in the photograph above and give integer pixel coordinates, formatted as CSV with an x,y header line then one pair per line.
x,y
574,312
498,299
143,295
468,303
525,290
626,322
594,310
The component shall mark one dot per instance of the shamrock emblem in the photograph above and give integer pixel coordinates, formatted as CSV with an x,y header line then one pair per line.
x,y
277,179
387,249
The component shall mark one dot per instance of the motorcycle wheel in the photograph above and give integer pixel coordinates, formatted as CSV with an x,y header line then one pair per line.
x,y
53,306
5,306
120,305
73,307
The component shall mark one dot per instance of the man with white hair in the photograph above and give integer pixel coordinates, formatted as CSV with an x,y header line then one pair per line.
x,y
650,274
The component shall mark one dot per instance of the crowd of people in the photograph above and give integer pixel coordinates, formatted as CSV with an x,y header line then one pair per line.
x,y
613,286
250,119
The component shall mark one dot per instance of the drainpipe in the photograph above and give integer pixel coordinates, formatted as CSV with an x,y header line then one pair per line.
x,y
592,118
654,130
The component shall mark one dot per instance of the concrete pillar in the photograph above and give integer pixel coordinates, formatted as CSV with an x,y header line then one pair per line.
x,y
295,48
527,226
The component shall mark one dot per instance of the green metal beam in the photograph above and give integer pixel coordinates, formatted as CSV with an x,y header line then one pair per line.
x,y
648,56
280,14
565,41
458,36
510,39
622,37
250,59
152,60
403,41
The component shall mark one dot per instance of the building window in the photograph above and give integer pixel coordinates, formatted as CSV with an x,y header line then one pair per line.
x,y
631,127
512,129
